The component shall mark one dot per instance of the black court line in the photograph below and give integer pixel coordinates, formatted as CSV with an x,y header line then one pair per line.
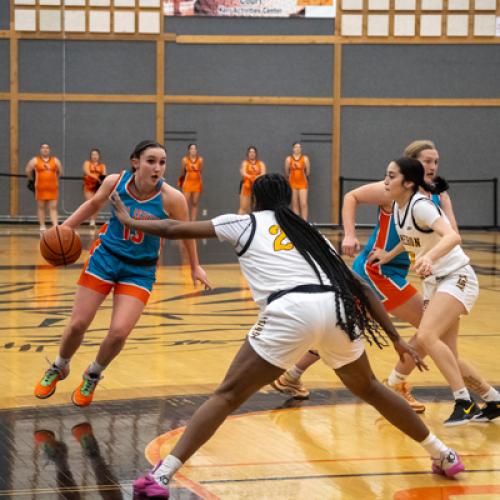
x,y
334,476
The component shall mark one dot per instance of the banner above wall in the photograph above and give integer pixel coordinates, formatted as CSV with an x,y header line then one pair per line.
x,y
250,8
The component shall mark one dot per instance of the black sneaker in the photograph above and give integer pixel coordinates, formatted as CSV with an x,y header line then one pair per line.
x,y
490,411
463,412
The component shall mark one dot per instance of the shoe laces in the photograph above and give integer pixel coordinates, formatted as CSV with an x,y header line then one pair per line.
x,y
89,384
51,371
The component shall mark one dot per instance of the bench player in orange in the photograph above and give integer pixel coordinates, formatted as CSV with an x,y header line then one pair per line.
x,y
250,169
47,170
93,172
192,186
297,169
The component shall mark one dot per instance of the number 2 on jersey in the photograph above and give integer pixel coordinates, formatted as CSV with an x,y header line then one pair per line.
x,y
279,240
135,237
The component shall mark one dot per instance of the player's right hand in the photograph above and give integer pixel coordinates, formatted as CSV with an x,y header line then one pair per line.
x,y
350,246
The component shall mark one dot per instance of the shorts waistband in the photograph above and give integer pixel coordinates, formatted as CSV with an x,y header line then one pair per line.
x,y
133,262
300,289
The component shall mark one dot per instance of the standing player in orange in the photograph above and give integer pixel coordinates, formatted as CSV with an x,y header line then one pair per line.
x,y
93,172
297,169
250,169
47,170
192,165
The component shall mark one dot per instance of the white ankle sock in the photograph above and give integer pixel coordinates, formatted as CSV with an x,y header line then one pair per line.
x,y
95,368
491,395
62,362
462,394
294,373
167,469
434,446
396,378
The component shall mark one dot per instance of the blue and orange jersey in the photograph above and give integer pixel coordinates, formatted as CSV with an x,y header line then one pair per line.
x,y
385,237
130,243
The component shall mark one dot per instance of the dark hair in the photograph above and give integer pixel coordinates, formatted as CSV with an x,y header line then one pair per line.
x,y
254,148
295,143
192,144
143,145
272,192
44,144
96,150
412,170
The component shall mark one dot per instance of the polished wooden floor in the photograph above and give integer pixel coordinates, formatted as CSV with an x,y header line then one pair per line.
x,y
330,447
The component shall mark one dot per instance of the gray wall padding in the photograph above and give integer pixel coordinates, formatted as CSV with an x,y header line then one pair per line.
x,y
467,140
4,14
418,71
72,131
87,67
275,70
223,134
4,66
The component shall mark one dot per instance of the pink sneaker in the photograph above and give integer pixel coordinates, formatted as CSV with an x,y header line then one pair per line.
x,y
448,464
148,487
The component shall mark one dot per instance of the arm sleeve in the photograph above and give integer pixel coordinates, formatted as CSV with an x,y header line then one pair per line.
x,y
233,229
426,213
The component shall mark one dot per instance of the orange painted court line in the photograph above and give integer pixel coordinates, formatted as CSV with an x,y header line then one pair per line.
x,y
444,492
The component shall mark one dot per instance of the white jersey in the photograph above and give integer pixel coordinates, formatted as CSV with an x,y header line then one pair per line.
x,y
268,260
413,224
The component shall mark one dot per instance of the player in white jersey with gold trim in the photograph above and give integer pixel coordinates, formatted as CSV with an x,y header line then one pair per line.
x,y
309,298
450,286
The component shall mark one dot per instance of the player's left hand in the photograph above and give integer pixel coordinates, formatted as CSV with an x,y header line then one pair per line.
x,y
199,275
403,348
423,266
121,211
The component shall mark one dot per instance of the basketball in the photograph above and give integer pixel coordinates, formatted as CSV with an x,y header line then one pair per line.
x,y
60,246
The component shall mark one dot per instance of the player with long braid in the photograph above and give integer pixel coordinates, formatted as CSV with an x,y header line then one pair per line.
x,y
308,298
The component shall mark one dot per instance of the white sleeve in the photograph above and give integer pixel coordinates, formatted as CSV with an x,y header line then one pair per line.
x,y
425,213
235,229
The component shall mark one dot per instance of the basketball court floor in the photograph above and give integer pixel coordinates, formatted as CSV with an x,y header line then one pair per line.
x,y
329,447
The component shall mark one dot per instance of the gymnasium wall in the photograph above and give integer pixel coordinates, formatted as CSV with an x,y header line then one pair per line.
x,y
226,96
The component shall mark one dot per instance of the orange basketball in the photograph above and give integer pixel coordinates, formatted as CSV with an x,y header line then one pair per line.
x,y
60,246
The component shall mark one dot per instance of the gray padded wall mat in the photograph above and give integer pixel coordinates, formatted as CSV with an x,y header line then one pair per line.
x,y
4,14
223,134
439,71
268,70
4,156
93,67
467,139
72,131
4,66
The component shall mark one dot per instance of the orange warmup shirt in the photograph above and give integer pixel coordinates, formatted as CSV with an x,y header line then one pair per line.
x,y
192,180
297,178
46,180
253,170
91,180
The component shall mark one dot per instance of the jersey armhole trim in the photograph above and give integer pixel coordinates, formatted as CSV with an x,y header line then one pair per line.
x,y
250,238
430,230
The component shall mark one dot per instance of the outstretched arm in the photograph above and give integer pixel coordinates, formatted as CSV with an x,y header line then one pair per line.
x,y
379,314
167,228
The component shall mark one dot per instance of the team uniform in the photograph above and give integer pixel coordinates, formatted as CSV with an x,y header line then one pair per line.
x,y
192,177
388,281
122,258
91,181
253,170
451,273
297,309
46,179
297,177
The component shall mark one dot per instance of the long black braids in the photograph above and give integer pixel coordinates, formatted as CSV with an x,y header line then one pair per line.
x,y
272,192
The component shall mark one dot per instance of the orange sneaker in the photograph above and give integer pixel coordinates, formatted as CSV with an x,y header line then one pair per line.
x,y
84,393
404,390
294,388
47,385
